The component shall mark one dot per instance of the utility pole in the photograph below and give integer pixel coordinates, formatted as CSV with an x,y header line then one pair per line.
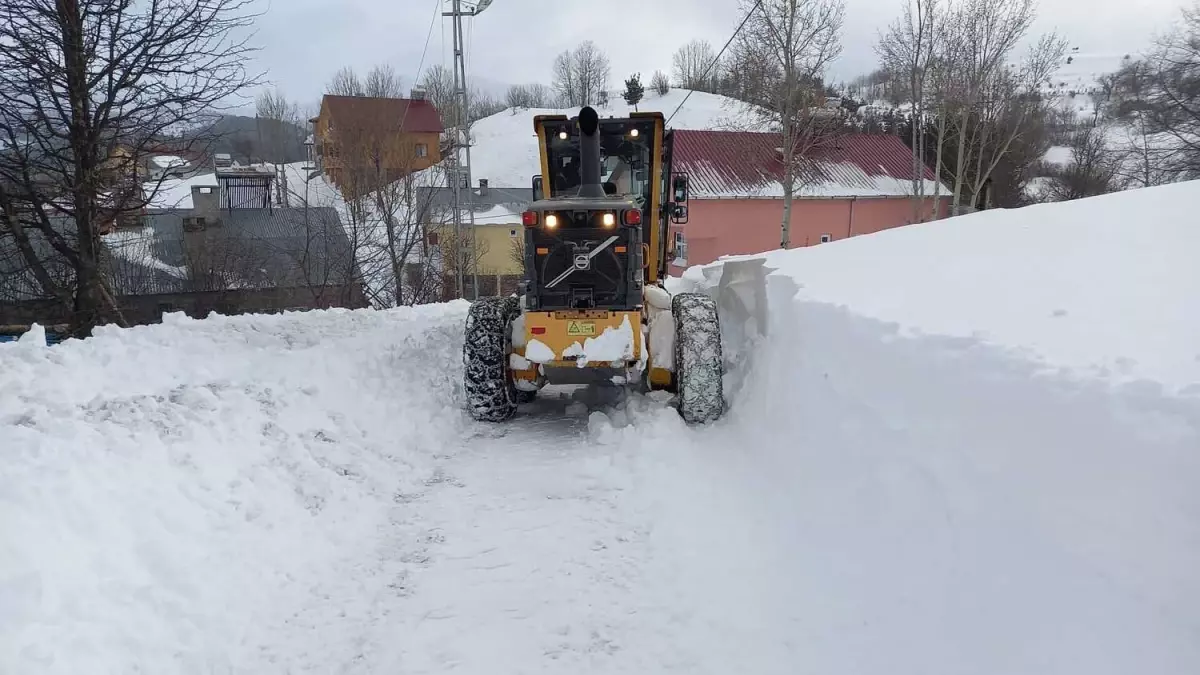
x,y
460,173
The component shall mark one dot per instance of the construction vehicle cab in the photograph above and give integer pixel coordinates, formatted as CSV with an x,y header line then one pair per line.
x,y
592,306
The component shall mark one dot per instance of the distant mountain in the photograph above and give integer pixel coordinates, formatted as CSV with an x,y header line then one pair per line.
x,y
249,139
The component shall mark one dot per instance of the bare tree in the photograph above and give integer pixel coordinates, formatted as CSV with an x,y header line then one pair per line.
x,y
797,39
907,50
750,73
389,207
528,96
581,76
383,195
482,104
1094,167
383,82
986,32
455,249
564,81
86,88
1146,148
516,251
660,83
438,82
279,126
692,66
1162,94
345,82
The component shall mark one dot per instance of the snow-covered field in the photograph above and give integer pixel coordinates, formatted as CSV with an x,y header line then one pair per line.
x,y
1077,83
922,471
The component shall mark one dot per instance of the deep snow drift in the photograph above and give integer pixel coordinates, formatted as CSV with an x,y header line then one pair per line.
x,y
888,493
1106,286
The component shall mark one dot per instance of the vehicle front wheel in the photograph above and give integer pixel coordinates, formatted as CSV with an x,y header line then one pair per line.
x,y
698,360
491,395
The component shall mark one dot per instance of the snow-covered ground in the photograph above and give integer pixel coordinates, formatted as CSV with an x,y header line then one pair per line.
x,y
1076,81
918,474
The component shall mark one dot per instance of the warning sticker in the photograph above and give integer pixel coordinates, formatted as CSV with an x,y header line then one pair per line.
x,y
581,328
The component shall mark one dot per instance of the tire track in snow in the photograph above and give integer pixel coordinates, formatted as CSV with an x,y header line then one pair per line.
x,y
543,548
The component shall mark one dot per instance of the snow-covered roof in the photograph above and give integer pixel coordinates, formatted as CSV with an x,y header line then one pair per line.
x,y
168,161
176,193
729,165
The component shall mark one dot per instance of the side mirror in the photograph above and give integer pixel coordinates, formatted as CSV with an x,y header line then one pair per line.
x,y
679,186
537,188
679,214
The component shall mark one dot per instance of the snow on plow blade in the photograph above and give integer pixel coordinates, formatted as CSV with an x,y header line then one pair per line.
x,y
741,296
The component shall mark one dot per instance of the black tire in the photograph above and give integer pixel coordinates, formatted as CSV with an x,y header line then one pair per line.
x,y
526,396
487,378
699,367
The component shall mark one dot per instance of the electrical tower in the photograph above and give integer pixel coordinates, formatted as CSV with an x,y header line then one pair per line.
x,y
460,163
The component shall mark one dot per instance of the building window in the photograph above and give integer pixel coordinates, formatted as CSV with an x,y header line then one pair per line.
x,y
680,249
432,238
826,238
422,150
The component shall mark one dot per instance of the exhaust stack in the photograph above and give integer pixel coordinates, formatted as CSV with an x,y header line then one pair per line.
x,y
589,154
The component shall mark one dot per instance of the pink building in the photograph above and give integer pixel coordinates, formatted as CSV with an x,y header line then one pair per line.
x,y
735,204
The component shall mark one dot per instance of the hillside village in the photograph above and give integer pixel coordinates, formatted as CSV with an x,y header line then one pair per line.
x,y
373,186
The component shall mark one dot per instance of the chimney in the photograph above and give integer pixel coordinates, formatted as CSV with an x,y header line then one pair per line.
x,y
199,235
483,187
417,94
206,204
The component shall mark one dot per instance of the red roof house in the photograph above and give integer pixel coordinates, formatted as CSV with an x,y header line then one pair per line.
x,y
352,133
853,184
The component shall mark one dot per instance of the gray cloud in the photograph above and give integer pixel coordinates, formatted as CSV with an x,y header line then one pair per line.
x,y
304,41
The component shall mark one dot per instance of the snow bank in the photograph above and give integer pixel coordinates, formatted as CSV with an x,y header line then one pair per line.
x,y
896,488
1105,287
214,496
953,504
941,506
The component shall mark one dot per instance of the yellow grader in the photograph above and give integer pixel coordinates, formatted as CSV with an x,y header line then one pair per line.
x,y
593,306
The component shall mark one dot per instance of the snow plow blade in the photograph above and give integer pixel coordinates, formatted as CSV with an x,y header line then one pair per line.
x,y
741,297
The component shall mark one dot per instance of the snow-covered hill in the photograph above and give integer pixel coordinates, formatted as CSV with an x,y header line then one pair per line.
x,y
504,148
921,471
1076,81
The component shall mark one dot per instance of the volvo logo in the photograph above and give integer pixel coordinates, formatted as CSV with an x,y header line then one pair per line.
x,y
582,261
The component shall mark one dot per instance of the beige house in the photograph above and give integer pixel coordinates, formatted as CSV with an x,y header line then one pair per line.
x,y
494,246
364,138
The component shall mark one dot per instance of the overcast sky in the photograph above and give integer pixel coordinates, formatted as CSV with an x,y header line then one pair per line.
x,y
304,41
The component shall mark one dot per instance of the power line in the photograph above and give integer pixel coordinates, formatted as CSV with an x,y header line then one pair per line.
x,y
716,60
437,6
